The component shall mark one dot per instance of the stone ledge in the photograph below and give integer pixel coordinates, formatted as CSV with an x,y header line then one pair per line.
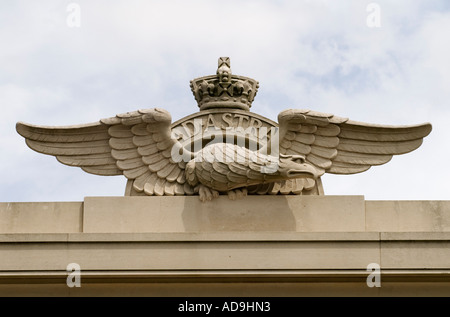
x,y
190,237
223,236
302,283
208,276
253,213
224,251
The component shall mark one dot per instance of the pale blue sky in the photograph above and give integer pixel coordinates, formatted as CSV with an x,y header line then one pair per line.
x,y
318,55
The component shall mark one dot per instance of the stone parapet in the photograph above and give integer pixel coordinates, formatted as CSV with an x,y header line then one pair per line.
x,y
257,246
254,213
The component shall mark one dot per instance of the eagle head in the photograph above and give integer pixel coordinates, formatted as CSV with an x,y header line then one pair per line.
x,y
295,166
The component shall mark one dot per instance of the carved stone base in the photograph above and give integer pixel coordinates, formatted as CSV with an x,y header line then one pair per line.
x,y
258,246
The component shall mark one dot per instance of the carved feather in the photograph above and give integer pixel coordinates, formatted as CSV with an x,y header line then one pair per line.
x,y
153,159
174,174
143,140
182,165
140,129
373,147
135,172
131,121
188,189
205,175
87,160
319,161
218,177
167,153
264,189
309,183
298,186
149,185
74,148
129,114
104,170
139,182
292,126
125,154
130,163
166,143
164,172
300,148
342,146
120,131
296,127
159,187
236,178
111,121
179,189
254,175
255,166
169,188
158,137
285,143
329,130
290,135
77,133
324,152
114,146
121,143
276,188
326,141
287,187
371,132
181,179
148,149
155,167
346,168
361,158
237,168
305,138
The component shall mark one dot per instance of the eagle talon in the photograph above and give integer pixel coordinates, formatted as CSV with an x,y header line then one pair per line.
x,y
206,193
237,193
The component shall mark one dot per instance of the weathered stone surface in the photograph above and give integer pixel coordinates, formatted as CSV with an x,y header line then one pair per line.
x,y
280,213
401,216
225,264
256,213
270,245
41,217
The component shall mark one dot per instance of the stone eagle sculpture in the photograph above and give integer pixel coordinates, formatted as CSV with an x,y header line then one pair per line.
x,y
159,157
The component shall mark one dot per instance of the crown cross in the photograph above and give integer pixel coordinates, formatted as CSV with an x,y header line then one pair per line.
x,y
224,60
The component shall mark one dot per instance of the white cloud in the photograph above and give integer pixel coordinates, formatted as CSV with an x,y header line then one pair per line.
x,y
306,54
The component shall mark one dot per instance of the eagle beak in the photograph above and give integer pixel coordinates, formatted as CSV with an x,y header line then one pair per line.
x,y
303,171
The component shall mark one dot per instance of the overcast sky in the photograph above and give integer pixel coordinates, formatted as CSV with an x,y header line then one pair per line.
x,y
328,56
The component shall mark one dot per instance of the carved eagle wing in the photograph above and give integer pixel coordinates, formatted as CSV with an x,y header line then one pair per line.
x,y
135,144
340,146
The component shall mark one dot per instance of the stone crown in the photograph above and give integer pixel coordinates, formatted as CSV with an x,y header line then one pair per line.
x,y
224,90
